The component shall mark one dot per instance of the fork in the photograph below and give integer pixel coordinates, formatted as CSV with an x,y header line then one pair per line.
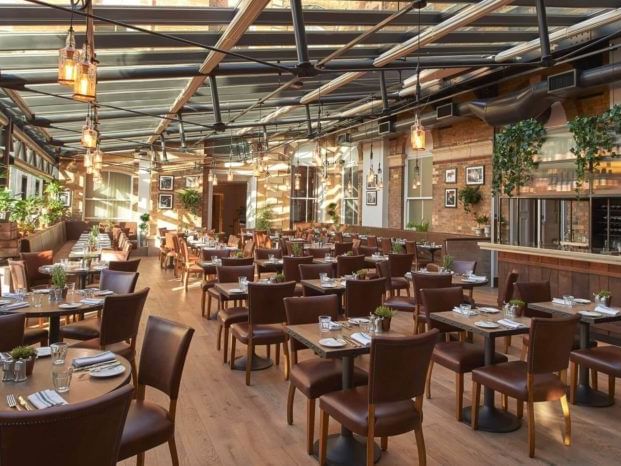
x,y
10,400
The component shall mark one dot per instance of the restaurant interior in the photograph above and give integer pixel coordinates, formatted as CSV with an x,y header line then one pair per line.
x,y
299,232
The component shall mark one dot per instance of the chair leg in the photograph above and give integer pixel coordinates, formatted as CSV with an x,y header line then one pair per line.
x,y
520,409
384,443
290,398
459,395
573,376
505,402
208,305
134,373
310,425
523,352
420,445
370,439
428,381
249,360
594,383
611,388
232,359
507,343
567,417
277,354
203,296
172,446
226,344
268,351
323,437
219,340
285,350
140,459
476,399
531,429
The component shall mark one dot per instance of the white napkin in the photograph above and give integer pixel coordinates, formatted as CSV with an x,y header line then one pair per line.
x,y
11,307
97,359
361,338
334,325
511,323
46,399
408,275
92,301
558,301
610,311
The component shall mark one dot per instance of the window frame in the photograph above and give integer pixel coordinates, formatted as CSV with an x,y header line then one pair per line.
x,y
131,201
412,158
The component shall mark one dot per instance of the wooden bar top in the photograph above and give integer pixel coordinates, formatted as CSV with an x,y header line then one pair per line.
x,y
552,253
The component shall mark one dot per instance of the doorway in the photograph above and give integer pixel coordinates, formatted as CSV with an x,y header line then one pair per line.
x,y
229,207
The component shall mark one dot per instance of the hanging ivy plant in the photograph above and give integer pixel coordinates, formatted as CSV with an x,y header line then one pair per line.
x,y
191,200
594,138
513,159
469,196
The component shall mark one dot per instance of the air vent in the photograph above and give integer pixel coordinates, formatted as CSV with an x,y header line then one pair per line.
x,y
445,111
385,126
562,81
345,138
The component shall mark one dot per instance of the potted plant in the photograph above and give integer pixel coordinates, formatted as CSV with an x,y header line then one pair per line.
x,y
385,314
144,227
361,274
264,219
397,248
25,353
59,282
278,278
483,223
191,200
469,196
239,255
519,305
296,249
349,253
331,212
603,297
447,263
6,203
422,226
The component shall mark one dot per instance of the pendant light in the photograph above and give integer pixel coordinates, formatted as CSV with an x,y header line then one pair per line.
x,y
85,84
68,58
297,184
379,176
371,179
215,180
417,132
97,159
90,135
88,162
229,175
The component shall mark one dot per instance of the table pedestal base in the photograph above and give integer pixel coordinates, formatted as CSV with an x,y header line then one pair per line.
x,y
258,363
587,396
345,450
493,420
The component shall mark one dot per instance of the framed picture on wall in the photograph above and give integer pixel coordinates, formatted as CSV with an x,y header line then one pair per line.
x,y
450,175
450,197
165,201
65,198
475,175
371,197
192,182
167,183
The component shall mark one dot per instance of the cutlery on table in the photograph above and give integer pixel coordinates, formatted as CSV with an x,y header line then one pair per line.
x,y
24,403
10,400
93,366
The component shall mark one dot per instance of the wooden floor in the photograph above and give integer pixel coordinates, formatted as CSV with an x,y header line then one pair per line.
x,y
221,421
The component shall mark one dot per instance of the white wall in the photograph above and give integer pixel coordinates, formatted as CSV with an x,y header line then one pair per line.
x,y
375,216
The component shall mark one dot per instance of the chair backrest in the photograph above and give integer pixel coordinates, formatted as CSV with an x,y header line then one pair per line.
x,y
338,237
164,350
505,294
362,297
124,266
372,241
121,316
233,241
386,245
169,241
265,302
429,280
319,253
533,292
550,343
185,251
19,279
34,260
307,309
112,255
312,271
346,265
127,249
342,248
71,435
118,281
410,247
398,366
264,253
237,261
290,266
400,264
367,250
441,300
248,248
262,239
231,273
209,254
12,331
462,267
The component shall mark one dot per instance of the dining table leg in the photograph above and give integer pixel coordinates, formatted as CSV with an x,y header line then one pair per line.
x,y
54,336
492,419
585,394
346,448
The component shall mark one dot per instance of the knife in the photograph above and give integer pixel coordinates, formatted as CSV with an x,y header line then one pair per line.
x,y
24,403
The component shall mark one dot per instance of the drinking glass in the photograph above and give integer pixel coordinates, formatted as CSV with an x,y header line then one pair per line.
x,y
243,283
466,309
568,300
324,323
323,277
270,257
37,299
20,294
59,353
61,378
70,292
328,256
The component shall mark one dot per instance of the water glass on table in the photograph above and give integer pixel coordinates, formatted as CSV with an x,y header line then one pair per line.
x,y
324,323
61,378
243,283
568,300
59,353
323,278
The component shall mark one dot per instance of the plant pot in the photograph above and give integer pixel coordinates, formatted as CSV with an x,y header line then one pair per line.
x,y
478,231
603,300
30,362
487,230
386,324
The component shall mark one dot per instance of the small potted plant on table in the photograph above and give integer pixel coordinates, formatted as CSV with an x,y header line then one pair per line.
x,y
59,283
385,314
603,297
27,354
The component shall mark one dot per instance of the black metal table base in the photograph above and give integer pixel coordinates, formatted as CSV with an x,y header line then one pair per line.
x,y
345,450
587,396
493,420
258,363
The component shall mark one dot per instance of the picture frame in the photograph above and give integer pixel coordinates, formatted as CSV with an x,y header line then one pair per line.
x,y
450,175
65,197
475,175
371,197
192,182
167,183
450,198
165,201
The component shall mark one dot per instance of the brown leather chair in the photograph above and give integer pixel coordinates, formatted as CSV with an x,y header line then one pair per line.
x,y
367,251
311,272
210,281
210,253
71,435
228,274
342,248
266,314
539,378
400,264
505,294
362,297
457,356
12,331
291,270
19,277
237,261
462,267
386,245
399,303
32,335
372,241
606,359
248,249
189,264
162,358
124,266
424,281
120,318
385,407
533,292
347,265
313,376
263,254
120,283
32,262
319,253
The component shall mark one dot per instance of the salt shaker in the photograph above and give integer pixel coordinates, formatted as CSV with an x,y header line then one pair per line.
x,y
8,368
20,370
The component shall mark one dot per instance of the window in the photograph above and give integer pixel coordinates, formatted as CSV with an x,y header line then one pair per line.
x,y
304,198
112,199
351,190
418,189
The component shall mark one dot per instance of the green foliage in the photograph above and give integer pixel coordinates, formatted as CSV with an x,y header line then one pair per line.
x,y
279,278
513,159
144,226
422,226
517,302
481,219
239,255
23,352
397,248
447,262
296,249
264,218
27,212
191,200
469,196
6,201
384,312
59,277
603,294
362,273
331,212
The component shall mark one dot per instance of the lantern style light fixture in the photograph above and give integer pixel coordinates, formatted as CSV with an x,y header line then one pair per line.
x,y
85,84
417,135
297,178
229,175
68,57
371,177
97,159
90,135
214,182
379,177
88,162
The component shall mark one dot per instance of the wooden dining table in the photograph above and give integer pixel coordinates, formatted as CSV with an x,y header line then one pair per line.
x,y
585,394
344,448
491,419
275,265
82,273
338,287
83,387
